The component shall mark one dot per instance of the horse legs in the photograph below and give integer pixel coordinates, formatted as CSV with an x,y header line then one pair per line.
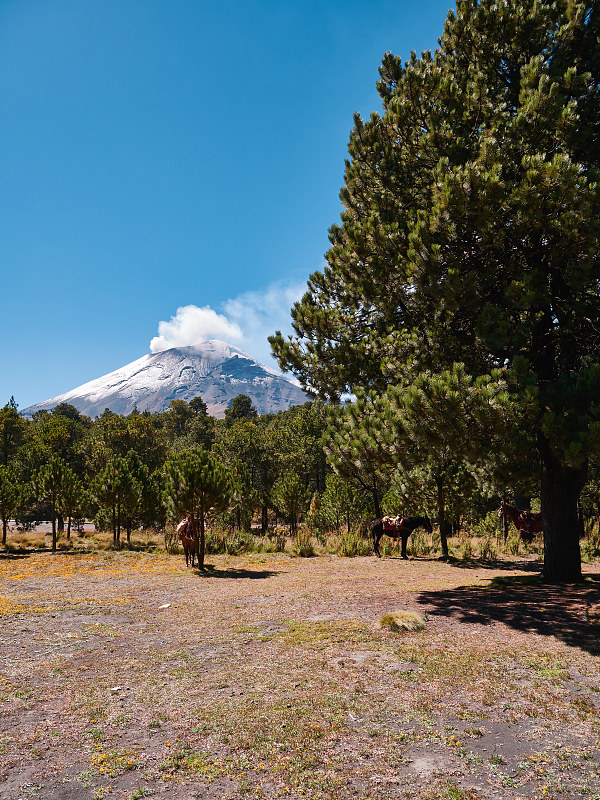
x,y
404,541
376,538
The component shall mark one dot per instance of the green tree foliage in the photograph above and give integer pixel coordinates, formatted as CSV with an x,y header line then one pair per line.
x,y
196,485
10,491
353,445
198,406
73,497
340,505
291,496
438,429
241,408
177,418
118,493
48,485
11,432
470,234
113,435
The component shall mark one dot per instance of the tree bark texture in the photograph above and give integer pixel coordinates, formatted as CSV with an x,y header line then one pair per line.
x,y
560,491
441,502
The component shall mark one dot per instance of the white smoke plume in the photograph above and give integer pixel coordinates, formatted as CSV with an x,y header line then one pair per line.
x,y
192,325
247,320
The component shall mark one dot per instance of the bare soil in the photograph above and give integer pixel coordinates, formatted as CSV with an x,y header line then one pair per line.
x,y
124,675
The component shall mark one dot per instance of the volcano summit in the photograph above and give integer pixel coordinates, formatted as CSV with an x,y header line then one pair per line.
x,y
216,371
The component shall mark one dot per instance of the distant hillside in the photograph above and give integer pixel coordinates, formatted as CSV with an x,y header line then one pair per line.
x,y
216,371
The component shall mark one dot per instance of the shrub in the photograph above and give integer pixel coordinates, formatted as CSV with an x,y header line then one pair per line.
x,y
488,526
419,544
467,549
513,544
353,544
398,621
590,546
487,550
171,540
303,545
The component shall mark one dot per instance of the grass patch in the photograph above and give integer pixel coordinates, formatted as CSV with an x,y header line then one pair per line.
x,y
401,621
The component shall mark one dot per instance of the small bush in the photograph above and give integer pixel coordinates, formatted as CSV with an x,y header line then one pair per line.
x,y
398,621
353,544
513,544
487,550
303,545
419,544
171,540
489,526
590,546
467,549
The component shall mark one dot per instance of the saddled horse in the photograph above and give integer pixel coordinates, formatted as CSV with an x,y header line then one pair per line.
x,y
526,522
401,528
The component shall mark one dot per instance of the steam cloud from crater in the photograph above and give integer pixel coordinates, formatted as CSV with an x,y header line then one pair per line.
x,y
246,321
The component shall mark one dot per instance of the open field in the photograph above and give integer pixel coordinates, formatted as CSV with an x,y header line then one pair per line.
x,y
122,675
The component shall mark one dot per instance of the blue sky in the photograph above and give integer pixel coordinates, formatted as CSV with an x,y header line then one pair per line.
x,y
169,170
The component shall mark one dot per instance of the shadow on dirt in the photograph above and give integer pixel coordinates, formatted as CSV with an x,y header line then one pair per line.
x,y
532,567
14,555
211,571
569,613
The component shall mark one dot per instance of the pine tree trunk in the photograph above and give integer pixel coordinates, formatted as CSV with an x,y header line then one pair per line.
x,y
441,502
560,492
69,527
376,503
264,519
201,543
53,530
4,527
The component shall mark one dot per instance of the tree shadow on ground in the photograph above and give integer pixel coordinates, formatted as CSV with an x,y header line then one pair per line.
x,y
533,567
210,571
569,613
14,555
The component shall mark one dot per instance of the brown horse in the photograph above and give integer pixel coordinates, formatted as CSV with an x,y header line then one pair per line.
x,y
401,528
526,522
188,540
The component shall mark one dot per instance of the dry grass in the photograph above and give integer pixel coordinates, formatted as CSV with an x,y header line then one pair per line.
x,y
125,675
398,621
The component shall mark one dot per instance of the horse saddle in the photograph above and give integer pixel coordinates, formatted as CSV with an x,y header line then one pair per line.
x,y
393,523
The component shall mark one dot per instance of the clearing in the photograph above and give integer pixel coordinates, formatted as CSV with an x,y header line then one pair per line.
x,y
124,675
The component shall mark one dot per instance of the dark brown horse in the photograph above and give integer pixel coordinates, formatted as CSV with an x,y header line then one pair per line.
x,y
185,530
401,530
526,522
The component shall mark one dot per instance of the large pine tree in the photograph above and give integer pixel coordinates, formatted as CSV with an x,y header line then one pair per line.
x,y
471,234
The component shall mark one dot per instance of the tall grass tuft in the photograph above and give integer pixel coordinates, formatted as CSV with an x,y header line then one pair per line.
x,y
303,545
398,621
353,544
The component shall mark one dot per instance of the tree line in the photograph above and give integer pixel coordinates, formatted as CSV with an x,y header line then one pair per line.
x,y
129,471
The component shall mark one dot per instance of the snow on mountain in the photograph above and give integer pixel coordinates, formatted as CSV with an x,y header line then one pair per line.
x,y
216,371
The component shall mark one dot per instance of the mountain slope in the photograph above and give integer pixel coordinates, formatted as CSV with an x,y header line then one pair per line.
x,y
216,371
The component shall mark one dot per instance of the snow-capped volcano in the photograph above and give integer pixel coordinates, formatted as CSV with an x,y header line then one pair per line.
x,y
216,371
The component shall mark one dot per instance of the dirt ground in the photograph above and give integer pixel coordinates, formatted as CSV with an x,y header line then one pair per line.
x,y
124,675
